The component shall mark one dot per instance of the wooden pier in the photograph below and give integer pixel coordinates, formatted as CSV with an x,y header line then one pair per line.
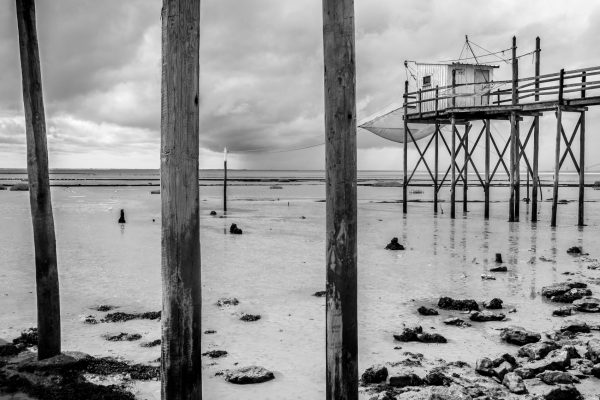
x,y
522,102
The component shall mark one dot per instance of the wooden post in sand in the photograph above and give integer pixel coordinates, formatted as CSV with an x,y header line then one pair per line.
x,y
580,219
181,361
486,212
341,220
536,137
46,270
559,128
514,144
405,153
225,180
453,168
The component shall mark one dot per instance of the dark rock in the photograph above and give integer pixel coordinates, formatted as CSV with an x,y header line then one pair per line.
x,y
485,316
122,217
427,311
210,332
437,377
409,334
504,357
557,377
571,295
587,304
448,303
514,383
595,371
403,379
501,268
320,293
431,338
484,366
556,360
537,351
519,336
215,353
575,250
28,338
394,245
90,319
562,312
227,301
122,316
9,350
250,317
499,258
557,392
593,351
494,304
456,322
153,343
501,370
104,308
575,327
561,288
249,375
234,230
120,337
213,213
375,374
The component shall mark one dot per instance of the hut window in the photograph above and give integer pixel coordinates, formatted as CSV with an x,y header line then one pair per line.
x,y
427,80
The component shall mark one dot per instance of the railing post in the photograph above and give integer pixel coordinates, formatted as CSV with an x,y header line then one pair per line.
x,y
453,88
420,103
561,84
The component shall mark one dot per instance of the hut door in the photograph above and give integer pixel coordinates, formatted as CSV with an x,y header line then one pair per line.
x,y
481,91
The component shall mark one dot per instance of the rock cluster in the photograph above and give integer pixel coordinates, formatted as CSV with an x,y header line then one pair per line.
x,y
394,245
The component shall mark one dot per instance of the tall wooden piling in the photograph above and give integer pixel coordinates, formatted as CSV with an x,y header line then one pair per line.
x,y
453,168
486,210
405,153
341,219
580,218
515,141
536,136
225,180
181,312
436,167
561,82
513,134
465,169
46,269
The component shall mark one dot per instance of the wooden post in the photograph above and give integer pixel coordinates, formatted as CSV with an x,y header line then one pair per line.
x,y
556,164
181,311
536,137
516,150
517,168
580,219
465,169
44,240
513,130
405,153
225,180
341,218
453,165
486,212
453,89
420,103
436,167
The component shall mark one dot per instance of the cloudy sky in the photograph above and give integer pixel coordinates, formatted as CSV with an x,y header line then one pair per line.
x,y
261,73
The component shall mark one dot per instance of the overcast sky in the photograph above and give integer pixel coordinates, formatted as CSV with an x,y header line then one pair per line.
x,y
261,73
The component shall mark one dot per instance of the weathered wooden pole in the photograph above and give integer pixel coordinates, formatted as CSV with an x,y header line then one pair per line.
x,y
465,169
513,134
225,180
557,148
181,311
486,211
44,240
436,167
536,136
341,222
453,168
405,153
517,141
580,218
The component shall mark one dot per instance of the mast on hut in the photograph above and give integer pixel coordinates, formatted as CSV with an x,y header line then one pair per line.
x,y
48,299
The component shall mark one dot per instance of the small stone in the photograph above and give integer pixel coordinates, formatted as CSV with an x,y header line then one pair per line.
x,y
587,304
514,383
375,374
488,277
210,332
403,379
562,312
227,301
320,293
90,319
248,375
494,304
153,343
501,268
215,353
394,245
575,250
431,338
234,230
519,336
250,317
213,213
503,369
557,377
437,377
485,316
456,322
120,337
427,311
575,327
484,366
409,334
499,258
448,303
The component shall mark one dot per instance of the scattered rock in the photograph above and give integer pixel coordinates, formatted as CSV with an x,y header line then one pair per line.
x,y
437,377
122,316
153,343
227,301
556,360
562,312
213,213
561,288
456,322
575,250
28,338
575,327
448,303
215,353
427,311
104,308
120,337
485,316
234,230
405,378
494,304
409,334
501,268
375,374
320,293
484,366
394,245
488,277
593,351
557,377
90,319
504,368
249,375
571,295
519,336
514,383
431,338
537,351
587,304
250,317
210,332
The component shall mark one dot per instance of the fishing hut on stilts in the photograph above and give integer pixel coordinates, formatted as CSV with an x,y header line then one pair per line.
x,y
453,95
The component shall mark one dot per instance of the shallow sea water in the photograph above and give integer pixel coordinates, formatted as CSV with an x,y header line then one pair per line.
x,y
276,265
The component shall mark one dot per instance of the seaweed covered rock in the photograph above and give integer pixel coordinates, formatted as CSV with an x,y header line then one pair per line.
x,y
575,250
249,375
394,245
561,288
227,301
575,326
426,337
562,312
215,353
405,378
250,317
448,303
427,311
485,316
123,316
409,334
519,336
587,304
122,336
571,295
375,374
